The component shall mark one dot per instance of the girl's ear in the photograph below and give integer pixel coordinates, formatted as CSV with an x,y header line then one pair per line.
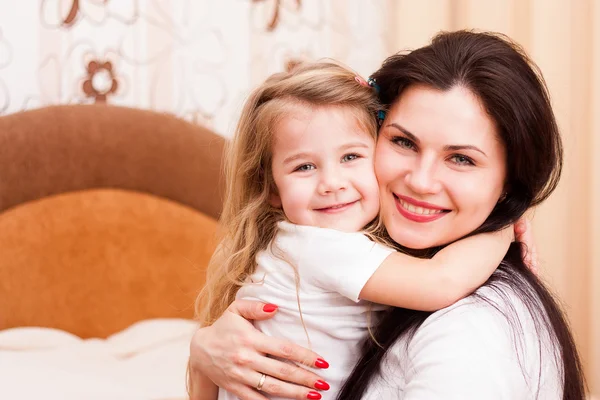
x,y
275,200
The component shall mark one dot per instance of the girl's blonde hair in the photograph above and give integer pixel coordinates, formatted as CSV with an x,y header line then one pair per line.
x,y
248,222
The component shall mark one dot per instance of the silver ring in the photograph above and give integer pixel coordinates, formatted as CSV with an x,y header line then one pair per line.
x,y
261,382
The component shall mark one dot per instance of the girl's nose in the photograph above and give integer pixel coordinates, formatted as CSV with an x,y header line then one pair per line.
x,y
331,181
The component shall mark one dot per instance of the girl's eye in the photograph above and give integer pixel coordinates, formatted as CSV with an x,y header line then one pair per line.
x,y
403,142
305,167
459,159
350,157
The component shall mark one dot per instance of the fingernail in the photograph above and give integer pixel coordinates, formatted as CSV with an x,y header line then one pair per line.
x,y
320,363
269,308
321,385
313,396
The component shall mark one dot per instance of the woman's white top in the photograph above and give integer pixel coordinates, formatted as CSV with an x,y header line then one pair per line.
x,y
470,350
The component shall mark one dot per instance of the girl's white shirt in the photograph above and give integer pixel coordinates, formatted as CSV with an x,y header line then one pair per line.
x,y
320,272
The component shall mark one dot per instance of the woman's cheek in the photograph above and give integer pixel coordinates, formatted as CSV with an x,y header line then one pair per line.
x,y
387,164
475,194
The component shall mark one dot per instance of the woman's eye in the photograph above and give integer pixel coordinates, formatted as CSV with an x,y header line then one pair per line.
x,y
403,142
462,160
350,157
305,167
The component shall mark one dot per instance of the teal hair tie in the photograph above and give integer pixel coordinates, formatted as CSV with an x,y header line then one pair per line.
x,y
380,116
373,84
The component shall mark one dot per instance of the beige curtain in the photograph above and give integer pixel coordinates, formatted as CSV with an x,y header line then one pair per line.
x,y
563,38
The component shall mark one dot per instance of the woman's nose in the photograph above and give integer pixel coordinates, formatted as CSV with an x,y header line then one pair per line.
x,y
331,180
422,179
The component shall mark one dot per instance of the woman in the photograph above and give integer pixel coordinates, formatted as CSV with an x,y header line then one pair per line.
x,y
469,130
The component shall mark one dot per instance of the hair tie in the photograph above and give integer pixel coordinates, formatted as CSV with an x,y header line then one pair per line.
x,y
371,82
361,81
380,117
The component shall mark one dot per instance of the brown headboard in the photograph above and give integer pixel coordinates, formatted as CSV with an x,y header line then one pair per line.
x,y
107,216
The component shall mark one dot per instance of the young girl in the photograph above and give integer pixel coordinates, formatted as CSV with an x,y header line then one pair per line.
x,y
301,229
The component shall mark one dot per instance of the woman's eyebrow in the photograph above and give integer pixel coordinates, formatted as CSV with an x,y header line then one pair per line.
x,y
457,147
453,147
405,131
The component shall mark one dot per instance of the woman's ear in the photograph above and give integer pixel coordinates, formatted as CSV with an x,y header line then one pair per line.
x,y
502,196
505,191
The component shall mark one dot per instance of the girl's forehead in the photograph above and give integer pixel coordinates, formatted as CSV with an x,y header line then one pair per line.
x,y
349,115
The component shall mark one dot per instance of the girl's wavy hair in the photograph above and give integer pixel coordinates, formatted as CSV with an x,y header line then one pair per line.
x,y
248,222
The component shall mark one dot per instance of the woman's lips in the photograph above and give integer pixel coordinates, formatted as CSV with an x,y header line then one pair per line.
x,y
337,208
418,211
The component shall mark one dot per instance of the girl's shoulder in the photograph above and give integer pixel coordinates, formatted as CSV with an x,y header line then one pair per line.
x,y
323,242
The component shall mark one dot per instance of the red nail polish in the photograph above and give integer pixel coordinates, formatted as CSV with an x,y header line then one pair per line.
x,y
320,363
321,385
269,308
313,396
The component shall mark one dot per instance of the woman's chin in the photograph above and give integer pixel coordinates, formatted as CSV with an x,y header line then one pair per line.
x,y
412,241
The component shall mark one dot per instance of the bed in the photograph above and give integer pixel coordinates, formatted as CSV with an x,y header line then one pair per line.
x,y
108,218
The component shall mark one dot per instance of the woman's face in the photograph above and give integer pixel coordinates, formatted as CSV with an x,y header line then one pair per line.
x,y
441,166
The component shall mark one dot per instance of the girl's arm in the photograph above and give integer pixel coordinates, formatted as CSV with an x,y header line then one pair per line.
x,y
431,284
524,234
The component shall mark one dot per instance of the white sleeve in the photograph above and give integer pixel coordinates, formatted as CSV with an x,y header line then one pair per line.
x,y
348,267
336,261
470,352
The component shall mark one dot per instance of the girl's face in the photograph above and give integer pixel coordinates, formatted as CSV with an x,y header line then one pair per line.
x,y
323,169
440,164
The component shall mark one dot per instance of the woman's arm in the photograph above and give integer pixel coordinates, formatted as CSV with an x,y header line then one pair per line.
x,y
433,284
232,354
200,387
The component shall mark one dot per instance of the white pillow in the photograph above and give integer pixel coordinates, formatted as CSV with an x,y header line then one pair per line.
x,y
35,338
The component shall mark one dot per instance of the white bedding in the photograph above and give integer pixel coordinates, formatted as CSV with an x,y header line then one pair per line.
x,y
145,361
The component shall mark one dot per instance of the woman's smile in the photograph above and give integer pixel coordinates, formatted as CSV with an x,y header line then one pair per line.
x,y
418,211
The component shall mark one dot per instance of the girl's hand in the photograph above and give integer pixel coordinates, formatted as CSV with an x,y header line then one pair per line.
x,y
524,234
233,354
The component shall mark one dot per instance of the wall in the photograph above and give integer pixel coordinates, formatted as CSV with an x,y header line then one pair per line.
x,y
193,58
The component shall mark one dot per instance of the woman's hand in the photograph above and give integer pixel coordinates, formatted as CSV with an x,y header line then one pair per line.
x,y
232,353
524,234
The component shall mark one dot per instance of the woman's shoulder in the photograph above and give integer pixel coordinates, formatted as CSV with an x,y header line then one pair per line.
x,y
490,339
494,315
484,320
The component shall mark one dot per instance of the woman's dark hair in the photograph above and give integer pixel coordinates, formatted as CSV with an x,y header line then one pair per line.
x,y
514,94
